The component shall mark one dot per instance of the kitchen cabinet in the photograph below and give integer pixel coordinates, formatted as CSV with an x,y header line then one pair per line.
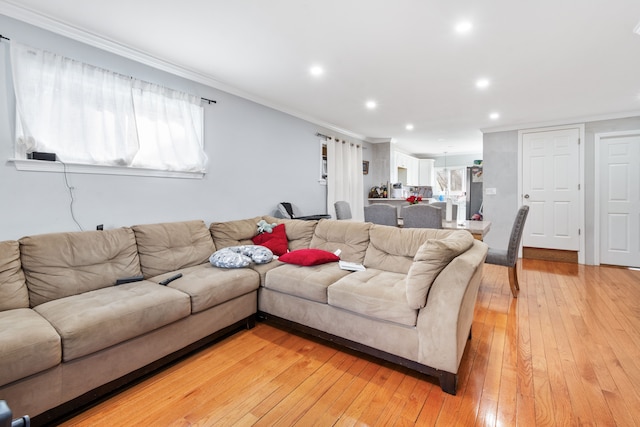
x,y
427,172
405,169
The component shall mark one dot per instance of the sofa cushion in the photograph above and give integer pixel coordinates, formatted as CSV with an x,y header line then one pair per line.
x,y
234,233
171,246
95,320
299,232
209,286
430,259
393,248
351,237
374,293
58,265
28,344
13,289
305,282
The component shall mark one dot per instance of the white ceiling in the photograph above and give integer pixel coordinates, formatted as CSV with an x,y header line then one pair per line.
x,y
548,61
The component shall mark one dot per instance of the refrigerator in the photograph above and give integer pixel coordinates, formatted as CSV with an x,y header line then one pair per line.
x,y
474,191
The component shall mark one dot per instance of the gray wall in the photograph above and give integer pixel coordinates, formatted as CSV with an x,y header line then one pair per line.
x,y
257,157
500,159
457,160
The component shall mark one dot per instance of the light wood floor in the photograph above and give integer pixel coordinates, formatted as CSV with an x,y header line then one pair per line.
x,y
566,352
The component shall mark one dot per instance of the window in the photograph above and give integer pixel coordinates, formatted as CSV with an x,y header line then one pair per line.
x,y
451,179
88,115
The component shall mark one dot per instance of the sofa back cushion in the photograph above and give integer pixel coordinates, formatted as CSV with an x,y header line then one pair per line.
x,y
234,233
62,264
173,245
351,237
13,289
392,248
299,232
431,258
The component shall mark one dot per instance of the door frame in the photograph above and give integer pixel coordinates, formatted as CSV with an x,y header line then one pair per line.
x,y
598,137
581,173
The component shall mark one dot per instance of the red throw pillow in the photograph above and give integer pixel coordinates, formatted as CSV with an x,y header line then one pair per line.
x,y
276,241
309,257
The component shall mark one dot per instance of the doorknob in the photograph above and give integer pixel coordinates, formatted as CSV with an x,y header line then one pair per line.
x,y
526,196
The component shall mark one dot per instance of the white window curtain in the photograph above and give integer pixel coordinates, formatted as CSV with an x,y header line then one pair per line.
x,y
170,127
89,115
344,177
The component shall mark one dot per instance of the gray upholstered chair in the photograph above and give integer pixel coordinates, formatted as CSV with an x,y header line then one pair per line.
x,y
421,216
509,257
443,207
381,213
343,209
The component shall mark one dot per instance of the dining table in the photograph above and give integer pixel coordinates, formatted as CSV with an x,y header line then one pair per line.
x,y
478,229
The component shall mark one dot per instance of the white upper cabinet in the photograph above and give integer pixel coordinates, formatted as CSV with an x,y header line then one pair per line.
x,y
405,169
427,172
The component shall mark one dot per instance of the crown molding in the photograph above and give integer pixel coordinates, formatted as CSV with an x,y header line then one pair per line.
x,y
561,122
39,20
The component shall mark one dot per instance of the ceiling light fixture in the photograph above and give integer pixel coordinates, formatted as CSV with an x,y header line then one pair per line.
x,y
316,71
409,126
494,116
463,27
637,29
371,105
482,83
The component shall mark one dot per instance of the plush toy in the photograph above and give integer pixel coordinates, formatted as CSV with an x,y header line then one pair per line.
x,y
265,227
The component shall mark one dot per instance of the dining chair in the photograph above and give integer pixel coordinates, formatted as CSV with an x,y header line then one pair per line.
x,y
443,207
381,213
421,216
509,257
343,209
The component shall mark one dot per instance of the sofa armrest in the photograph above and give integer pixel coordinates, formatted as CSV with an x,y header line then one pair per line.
x,y
445,322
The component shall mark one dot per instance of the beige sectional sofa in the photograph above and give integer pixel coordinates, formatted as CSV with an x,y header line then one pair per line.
x,y
68,334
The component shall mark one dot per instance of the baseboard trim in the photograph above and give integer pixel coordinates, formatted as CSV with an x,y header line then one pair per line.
x,y
550,255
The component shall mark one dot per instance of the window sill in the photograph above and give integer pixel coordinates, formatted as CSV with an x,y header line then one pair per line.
x,y
46,166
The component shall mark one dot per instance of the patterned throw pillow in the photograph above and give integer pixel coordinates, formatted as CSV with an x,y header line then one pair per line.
x,y
240,256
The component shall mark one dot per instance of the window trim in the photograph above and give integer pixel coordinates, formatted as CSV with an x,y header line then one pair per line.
x,y
57,166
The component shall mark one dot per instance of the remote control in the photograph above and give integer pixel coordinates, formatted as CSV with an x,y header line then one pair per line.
x,y
168,280
129,279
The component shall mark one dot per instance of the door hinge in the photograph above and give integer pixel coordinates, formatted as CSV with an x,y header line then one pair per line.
x,y
578,141
578,186
579,232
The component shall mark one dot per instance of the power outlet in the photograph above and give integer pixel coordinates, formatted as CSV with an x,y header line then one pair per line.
x,y
490,191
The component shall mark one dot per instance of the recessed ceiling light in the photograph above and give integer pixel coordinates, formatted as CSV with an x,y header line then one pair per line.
x,y
371,105
637,29
463,27
482,83
494,116
316,70
409,126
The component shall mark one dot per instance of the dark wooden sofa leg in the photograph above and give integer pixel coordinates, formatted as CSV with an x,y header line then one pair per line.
x,y
251,322
448,382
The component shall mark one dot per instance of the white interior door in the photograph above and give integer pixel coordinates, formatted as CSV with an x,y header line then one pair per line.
x,y
551,188
620,199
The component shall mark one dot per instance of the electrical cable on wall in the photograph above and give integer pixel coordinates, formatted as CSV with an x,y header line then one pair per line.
x,y
70,188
